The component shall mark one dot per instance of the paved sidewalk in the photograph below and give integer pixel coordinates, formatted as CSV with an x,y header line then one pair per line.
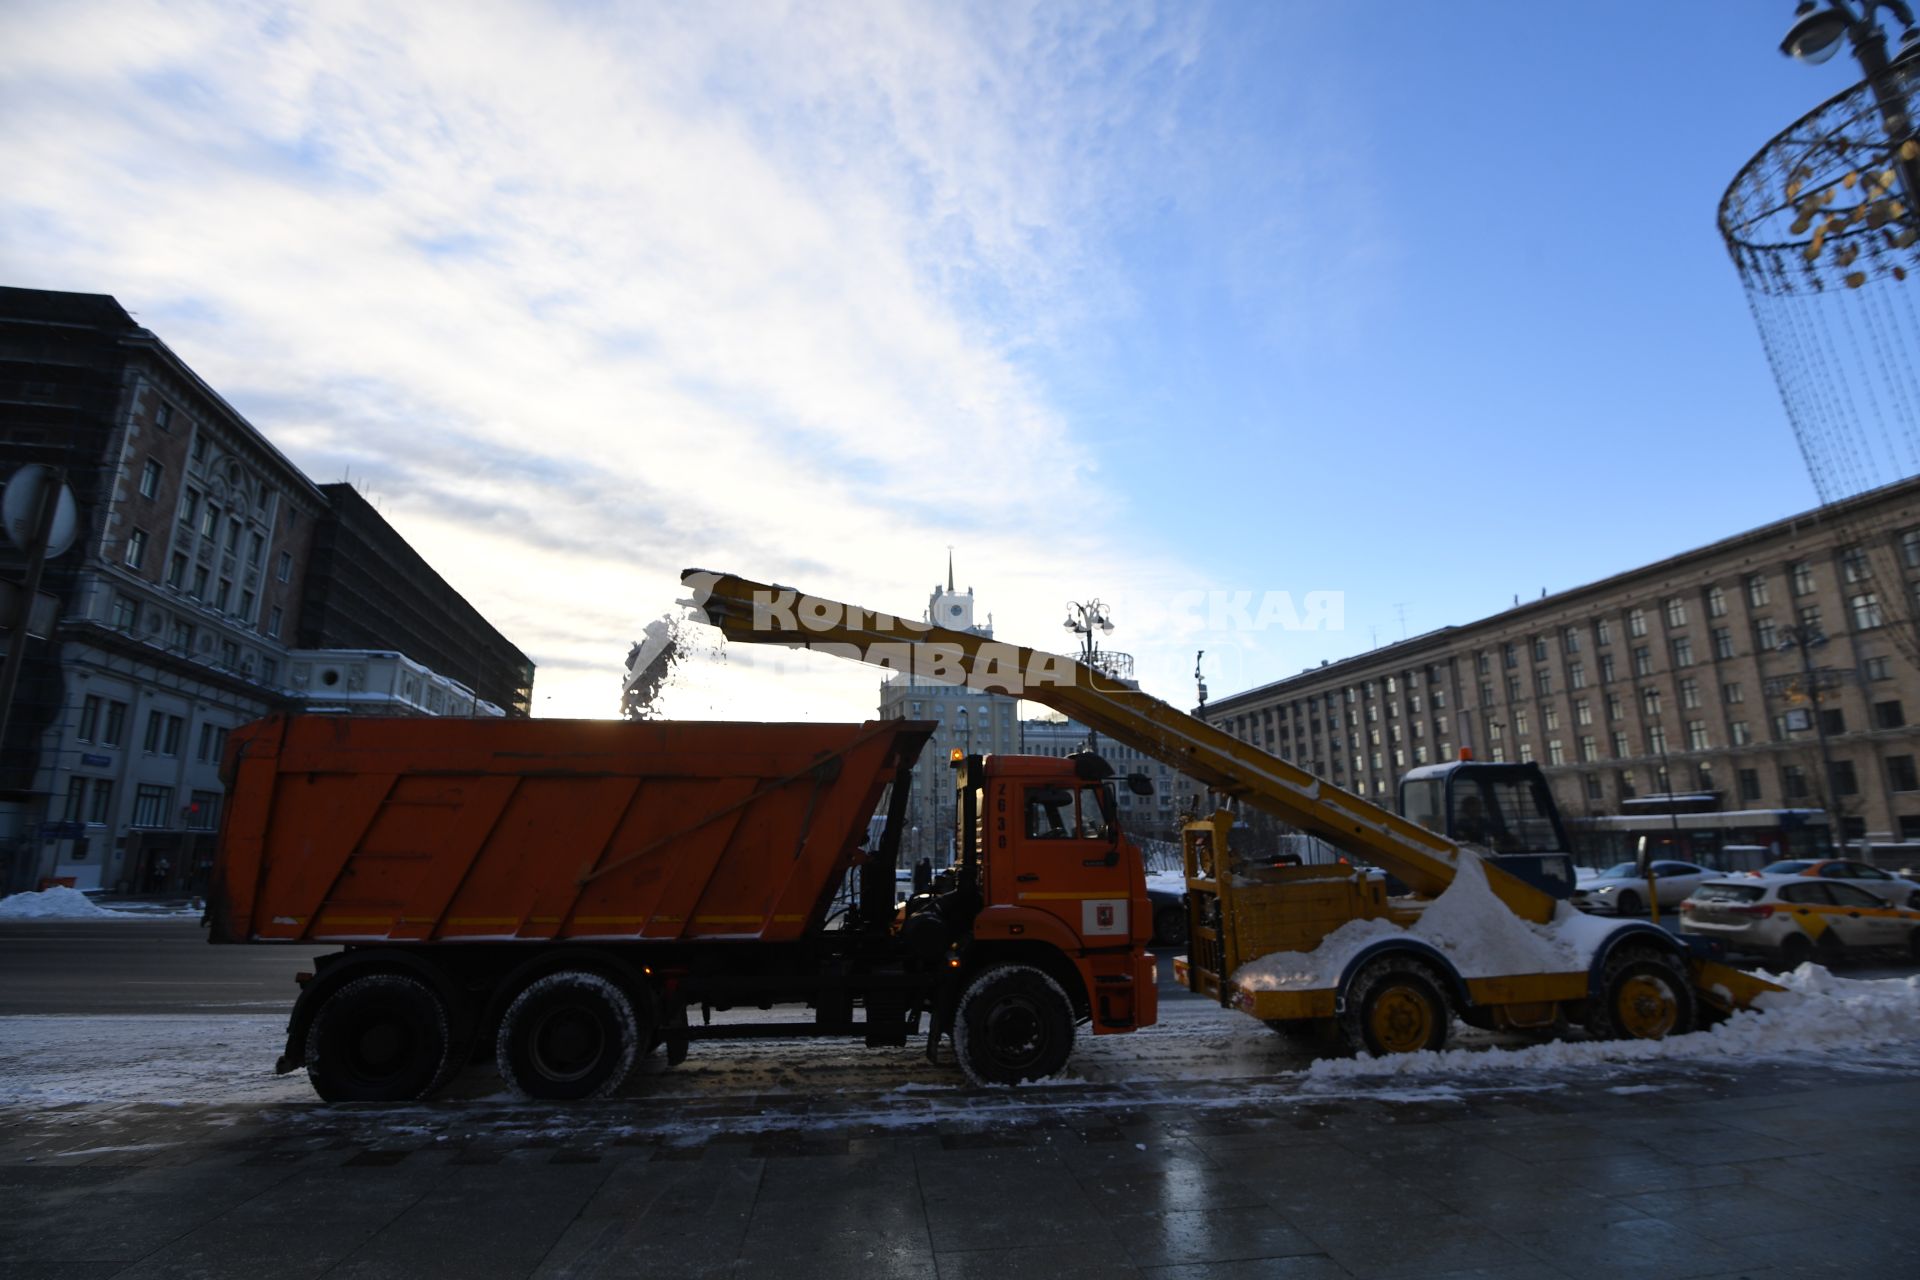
x,y
1777,1172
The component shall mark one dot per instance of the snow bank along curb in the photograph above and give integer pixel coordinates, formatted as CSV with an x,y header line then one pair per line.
x,y
1817,1014
57,903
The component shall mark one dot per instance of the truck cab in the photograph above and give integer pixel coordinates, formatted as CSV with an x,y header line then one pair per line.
x,y
1505,809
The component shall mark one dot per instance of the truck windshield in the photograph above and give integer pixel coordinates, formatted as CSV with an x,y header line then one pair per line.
x,y
1508,815
1066,813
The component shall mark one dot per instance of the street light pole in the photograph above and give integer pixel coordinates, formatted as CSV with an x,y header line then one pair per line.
x,y
1815,37
1084,620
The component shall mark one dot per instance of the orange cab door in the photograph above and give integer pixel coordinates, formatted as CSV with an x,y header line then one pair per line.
x,y
1067,857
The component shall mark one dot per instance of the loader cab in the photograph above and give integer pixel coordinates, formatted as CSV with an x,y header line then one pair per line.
x,y
1045,835
1506,810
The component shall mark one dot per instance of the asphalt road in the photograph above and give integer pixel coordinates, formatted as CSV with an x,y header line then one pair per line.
x,y
139,966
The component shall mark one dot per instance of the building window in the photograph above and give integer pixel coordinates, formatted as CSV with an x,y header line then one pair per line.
x,y
1576,675
1793,782
1888,715
1901,775
189,507
1801,574
1676,610
1650,701
1618,741
163,416
1624,781
1513,688
1439,700
255,547
1589,749
1910,548
1555,755
1766,637
274,616
150,479
1521,724
113,732
1909,826
1865,608
89,718
1682,652
233,536
101,808
163,734
126,612
200,448
1603,631
283,568
1731,693
210,520
1833,721
1613,706
1594,790
270,675
1723,642
1748,781
1637,623
1697,735
199,591
136,548
203,811
1582,711
220,594
177,571
1656,740
1539,648
1543,681
1844,780
1716,603
1757,590
1549,717
246,604
213,739
1879,668
1606,667
1740,734
150,805
1642,660
1526,752
1509,654
1570,639
1486,693
1853,564
182,636
1690,693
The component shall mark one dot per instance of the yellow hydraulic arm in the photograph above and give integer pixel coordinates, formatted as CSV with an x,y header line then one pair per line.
x,y
758,613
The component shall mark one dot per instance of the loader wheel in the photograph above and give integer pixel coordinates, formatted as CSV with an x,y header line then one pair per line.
x,y
569,1036
1395,1005
381,1038
1644,994
1013,1023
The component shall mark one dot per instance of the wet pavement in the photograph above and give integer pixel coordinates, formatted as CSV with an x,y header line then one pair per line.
x,y
1769,1171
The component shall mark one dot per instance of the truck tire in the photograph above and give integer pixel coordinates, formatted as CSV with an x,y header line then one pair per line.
x,y
1396,1004
381,1038
1644,994
569,1036
1013,1023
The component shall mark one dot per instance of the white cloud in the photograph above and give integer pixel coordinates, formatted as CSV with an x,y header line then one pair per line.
x,y
586,294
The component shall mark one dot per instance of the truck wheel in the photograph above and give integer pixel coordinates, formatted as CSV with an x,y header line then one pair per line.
x,y
1395,1005
1644,994
568,1036
1014,1023
381,1038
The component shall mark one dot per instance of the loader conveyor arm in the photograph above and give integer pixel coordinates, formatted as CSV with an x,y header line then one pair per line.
x,y
758,613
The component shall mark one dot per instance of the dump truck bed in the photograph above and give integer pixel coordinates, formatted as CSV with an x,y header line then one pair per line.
x,y
360,829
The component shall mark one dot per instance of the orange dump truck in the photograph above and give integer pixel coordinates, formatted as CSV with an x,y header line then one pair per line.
x,y
559,894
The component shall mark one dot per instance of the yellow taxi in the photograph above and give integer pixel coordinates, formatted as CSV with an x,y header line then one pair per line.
x,y
1793,918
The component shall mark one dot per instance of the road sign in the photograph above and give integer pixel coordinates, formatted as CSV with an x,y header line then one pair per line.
x,y
21,503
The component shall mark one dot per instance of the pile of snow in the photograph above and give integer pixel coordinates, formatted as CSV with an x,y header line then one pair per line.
x,y
57,903
1467,924
1817,1015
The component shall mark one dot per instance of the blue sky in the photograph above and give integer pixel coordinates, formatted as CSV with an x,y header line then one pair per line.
x,y
1419,302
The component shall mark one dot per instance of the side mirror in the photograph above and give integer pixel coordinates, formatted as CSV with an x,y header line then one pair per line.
x,y
1140,784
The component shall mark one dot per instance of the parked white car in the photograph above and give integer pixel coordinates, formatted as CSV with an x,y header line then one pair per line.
x,y
1622,890
1883,885
1795,918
